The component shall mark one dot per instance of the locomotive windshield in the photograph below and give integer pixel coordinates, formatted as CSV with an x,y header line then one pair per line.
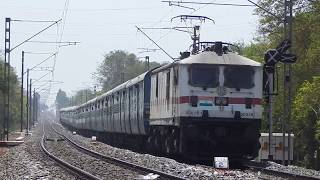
x,y
204,76
239,77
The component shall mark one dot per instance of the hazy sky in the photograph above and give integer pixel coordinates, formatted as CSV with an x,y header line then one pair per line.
x,y
102,26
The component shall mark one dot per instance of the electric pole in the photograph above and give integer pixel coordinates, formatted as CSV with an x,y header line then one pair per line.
x,y
21,103
34,106
30,103
6,91
287,70
27,104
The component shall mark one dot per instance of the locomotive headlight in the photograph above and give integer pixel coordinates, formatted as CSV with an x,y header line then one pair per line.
x,y
221,101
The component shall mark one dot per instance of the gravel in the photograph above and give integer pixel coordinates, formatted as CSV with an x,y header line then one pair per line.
x,y
180,169
160,163
102,169
293,169
27,161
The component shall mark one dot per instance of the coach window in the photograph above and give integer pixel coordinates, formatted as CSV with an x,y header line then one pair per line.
x,y
239,77
117,96
157,86
124,98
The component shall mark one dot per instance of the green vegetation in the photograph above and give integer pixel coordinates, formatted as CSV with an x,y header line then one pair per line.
x,y
306,111
306,72
120,66
15,86
62,100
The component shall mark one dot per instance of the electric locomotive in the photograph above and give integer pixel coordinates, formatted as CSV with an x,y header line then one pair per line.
x,y
206,104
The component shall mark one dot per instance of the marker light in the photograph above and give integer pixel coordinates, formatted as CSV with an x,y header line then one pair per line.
x,y
194,101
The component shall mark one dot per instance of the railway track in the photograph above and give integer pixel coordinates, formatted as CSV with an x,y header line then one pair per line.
x,y
268,173
75,170
135,171
254,171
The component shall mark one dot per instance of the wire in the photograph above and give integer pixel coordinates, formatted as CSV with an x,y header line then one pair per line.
x,y
32,21
155,43
35,35
201,7
97,9
41,62
257,5
205,3
64,17
30,52
40,77
54,42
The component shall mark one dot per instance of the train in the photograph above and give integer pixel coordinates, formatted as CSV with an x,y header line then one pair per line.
x,y
205,104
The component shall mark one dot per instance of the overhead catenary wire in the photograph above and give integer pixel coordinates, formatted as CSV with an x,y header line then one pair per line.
x,y
177,28
208,3
41,77
161,20
54,42
35,35
155,43
59,39
32,21
41,62
265,10
253,4
92,9
30,52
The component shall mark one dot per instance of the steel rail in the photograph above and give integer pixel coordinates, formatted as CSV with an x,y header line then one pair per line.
x,y
261,167
121,162
76,170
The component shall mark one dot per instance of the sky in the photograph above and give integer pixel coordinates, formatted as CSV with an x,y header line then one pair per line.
x,y
101,26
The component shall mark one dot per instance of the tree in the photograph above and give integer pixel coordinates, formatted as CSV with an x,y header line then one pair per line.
x,y
306,110
119,66
306,45
14,95
61,100
82,96
306,39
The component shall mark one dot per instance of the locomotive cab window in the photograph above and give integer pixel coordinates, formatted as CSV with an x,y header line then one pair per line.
x,y
206,76
239,77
